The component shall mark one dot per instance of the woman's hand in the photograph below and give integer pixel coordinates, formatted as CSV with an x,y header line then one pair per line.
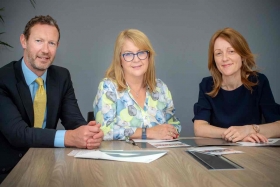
x,y
162,132
237,133
255,138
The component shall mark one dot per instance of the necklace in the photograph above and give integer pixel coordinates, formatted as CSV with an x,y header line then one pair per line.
x,y
136,92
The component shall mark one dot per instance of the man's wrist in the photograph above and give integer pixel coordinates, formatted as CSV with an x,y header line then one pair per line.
x,y
59,138
68,139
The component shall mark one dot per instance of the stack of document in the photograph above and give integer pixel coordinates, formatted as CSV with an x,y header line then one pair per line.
x,y
144,156
161,143
214,150
168,144
273,142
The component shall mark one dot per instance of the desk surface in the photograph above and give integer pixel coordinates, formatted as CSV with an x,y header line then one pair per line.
x,y
52,167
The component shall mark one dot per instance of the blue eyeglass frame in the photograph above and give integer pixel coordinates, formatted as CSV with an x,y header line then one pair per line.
x,y
136,54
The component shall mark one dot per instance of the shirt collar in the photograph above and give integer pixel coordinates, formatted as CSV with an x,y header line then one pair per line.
x,y
29,76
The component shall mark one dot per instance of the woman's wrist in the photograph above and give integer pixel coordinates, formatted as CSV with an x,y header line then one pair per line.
x,y
148,133
256,128
250,130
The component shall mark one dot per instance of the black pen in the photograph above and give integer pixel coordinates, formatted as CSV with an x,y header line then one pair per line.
x,y
131,142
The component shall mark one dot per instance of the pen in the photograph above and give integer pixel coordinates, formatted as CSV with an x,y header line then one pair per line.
x,y
131,142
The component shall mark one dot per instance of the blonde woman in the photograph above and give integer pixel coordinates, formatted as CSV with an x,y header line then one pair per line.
x,y
131,102
233,100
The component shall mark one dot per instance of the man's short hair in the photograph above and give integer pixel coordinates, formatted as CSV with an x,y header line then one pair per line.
x,y
44,20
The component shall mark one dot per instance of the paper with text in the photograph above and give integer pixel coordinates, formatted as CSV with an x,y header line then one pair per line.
x,y
214,150
169,144
271,142
146,156
153,141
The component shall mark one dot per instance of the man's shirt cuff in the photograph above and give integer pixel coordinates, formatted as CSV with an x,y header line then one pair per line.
x,y
59,138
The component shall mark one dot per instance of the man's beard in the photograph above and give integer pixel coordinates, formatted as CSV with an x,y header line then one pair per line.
x,y
37,66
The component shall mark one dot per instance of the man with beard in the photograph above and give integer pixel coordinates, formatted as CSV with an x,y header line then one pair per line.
x,y
34,95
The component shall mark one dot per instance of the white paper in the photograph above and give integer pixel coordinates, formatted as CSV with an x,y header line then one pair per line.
x,y
73,153
270,142
214,150
144,156
169,144
153,141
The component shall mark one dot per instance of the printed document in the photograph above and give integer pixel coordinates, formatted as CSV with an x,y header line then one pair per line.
x,y
144,156
214,150
271,142
169,144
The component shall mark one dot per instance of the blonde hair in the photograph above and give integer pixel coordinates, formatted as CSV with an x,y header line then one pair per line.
x,y
241,46
115,71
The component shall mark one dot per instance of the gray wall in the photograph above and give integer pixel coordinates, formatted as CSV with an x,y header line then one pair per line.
x,y
179,31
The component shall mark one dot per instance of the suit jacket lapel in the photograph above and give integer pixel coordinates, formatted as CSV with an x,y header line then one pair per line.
x,y
24,92
52,98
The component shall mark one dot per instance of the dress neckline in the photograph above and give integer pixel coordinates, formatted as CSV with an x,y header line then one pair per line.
x,y
239,87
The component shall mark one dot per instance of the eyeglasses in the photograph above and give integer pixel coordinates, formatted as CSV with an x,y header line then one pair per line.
x,y
142,55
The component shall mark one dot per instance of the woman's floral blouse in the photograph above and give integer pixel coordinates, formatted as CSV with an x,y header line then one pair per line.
x,y
120,115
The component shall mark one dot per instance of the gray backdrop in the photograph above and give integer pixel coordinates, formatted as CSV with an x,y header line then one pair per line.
x,y
179,30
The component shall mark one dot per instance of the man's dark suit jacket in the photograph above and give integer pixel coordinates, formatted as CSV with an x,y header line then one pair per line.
x,y
17,117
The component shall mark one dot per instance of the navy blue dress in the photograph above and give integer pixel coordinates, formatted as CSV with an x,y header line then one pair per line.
x,y
237,107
